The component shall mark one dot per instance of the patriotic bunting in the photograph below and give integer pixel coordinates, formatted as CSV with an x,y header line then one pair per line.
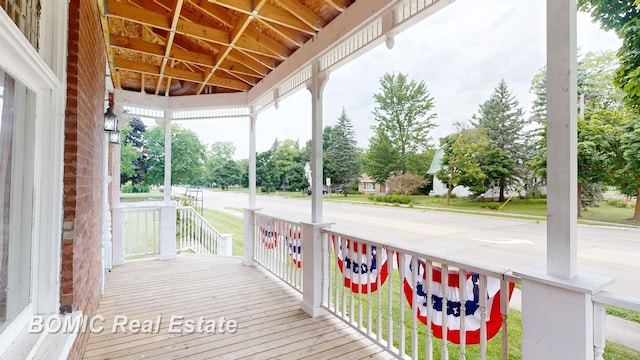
x,y
358,264
453,305
269,235
293,237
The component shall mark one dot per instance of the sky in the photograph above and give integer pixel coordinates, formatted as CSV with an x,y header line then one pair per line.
x,y
461,53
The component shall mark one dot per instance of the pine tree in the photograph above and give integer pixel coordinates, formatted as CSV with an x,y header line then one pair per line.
x,y
343,151
503,120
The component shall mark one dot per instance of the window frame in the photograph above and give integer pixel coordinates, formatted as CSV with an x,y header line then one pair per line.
x,y
42,143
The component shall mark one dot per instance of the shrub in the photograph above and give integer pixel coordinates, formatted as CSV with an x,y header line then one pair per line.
x,y
491,205
393,199
620,203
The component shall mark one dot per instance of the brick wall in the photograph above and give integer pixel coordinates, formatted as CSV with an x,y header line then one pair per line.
x,y
83,178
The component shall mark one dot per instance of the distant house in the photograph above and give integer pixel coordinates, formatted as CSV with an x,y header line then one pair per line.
x,y
368,186
439,188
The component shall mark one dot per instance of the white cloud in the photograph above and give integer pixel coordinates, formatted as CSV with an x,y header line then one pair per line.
x,y
460,53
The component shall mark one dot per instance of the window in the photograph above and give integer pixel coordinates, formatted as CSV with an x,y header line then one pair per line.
x,y
15,213
368,186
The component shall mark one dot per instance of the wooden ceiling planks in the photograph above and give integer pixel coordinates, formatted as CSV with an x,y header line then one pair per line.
x,y
190,47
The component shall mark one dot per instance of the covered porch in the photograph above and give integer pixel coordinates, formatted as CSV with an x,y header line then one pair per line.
x,y
553,293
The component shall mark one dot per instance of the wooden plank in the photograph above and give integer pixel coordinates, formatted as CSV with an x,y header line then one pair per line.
x,y
303,13
270,322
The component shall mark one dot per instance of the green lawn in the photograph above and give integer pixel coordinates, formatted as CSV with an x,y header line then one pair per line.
x,y
132,197
226,223
536,208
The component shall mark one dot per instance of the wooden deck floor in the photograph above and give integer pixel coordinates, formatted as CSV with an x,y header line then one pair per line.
x,y
270,322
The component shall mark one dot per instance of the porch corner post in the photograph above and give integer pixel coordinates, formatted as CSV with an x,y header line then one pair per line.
x,y
252,160
313,274
167,158
117,221
562,112
557,303
248,239
316,86
249,213
167,210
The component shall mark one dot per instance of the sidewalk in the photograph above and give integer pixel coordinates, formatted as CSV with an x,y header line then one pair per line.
x,y
618,330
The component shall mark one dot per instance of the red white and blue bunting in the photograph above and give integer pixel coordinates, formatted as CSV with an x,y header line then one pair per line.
x,y
293,237
268,234
472,303
359,264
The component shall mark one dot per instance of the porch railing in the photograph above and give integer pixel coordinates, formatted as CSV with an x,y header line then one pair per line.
x,y
141,231
601,300
194,233
372,287
278,248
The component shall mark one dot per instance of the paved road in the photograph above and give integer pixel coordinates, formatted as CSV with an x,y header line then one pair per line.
x,y
495,242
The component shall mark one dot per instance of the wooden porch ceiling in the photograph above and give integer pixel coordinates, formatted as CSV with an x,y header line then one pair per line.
x,y
193,47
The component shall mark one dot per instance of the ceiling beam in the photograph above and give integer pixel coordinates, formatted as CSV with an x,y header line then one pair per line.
x,y
268,13
303,13
338,4
177,8
235,37
287,33
104,22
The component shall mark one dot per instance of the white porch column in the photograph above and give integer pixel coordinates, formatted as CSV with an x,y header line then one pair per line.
x,y
117,221
316,86
249,213
562,168
167,157
557,302
107,255
252,160
248,241
312,276
167,210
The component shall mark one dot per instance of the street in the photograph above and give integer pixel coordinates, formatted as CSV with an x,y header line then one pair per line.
x,y
494,242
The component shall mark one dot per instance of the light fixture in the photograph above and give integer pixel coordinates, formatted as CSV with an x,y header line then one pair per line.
x,y
114,137
110,120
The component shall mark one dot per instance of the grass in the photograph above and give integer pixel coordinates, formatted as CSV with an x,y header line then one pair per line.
x,y
516,207
227,223
624,313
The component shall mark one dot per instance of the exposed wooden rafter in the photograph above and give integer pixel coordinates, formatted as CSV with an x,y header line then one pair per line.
x,y
190,47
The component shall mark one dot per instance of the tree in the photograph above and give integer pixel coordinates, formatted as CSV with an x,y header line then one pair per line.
x,y
219,154
133,156
612,15
502,119
460,164
404,119
286,155
595,73
342,152
630,174
187,156
266,175
628,74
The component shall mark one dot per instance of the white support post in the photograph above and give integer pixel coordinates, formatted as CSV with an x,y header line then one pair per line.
x,y
249,237
167,158
562,168
252,161
167,210
226,247
316,86
167,232
599,327
107,255
117,235
558,315
312,277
